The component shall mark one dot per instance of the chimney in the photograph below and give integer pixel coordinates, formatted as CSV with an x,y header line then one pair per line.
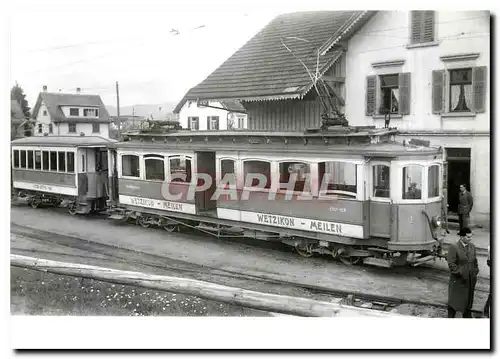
x,y
78,90
44,88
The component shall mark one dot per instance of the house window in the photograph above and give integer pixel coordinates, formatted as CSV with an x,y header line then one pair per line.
x,y
130,166
70,162
193,123
241,122
381,181
95,128
339,178
389,94
40,128
155,167
294,174
50,128
90,112
412,182
422,27
460,90
180,169
74,112
45,112
72,127
212,122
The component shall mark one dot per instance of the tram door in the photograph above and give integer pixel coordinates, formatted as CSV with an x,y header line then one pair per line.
x,y
206,164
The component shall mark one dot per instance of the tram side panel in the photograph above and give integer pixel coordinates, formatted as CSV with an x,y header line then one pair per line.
x,y
336,216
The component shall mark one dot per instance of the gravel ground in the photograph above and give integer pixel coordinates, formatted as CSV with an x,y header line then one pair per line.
x,y
38,293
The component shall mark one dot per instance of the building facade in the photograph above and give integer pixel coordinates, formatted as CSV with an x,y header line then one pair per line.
x,y
429,71
213,115
63,114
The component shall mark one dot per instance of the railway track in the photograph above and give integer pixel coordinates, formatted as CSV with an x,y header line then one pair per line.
x,y
146,261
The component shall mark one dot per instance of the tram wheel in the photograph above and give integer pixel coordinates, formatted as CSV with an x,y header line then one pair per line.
x,y
35,203
305,251
143,221
171,227
72,209
348,260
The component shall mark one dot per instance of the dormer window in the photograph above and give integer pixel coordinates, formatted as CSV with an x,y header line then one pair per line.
x,y
74,112
90,112
45,112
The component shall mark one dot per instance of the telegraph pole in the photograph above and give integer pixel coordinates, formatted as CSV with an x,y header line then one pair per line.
x,y
118,111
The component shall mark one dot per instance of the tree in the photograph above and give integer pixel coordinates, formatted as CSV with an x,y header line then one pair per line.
x,y
17,93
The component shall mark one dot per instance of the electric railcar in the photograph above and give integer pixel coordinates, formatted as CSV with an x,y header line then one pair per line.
x,y
353,192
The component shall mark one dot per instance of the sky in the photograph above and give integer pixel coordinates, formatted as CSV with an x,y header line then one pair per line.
x,y
151,61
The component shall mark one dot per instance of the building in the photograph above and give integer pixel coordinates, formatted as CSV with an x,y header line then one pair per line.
x,y
211,115
70,114
20,126
427,70
430,71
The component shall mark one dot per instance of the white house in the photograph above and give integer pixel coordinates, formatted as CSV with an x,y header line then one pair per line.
x,y
223,115
430,70
76,114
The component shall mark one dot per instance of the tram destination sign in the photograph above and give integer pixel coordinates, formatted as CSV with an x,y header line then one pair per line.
x,y
158,204
303,224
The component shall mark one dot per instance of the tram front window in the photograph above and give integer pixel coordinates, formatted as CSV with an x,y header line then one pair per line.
x,y
412,182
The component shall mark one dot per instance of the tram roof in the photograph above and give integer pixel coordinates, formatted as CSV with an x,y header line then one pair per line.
x,y
73,141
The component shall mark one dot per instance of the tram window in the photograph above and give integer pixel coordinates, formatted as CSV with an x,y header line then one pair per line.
x,y
155,169
45,160
338,178
433,182
180,169
130,166
381,177
38,160
16,158
30,160
23,159
70,162
257,168
227,168
53,161
62,161
298,170
412,182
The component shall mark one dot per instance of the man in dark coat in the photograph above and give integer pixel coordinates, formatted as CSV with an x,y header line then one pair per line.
x,y
487,306
462,262
465,204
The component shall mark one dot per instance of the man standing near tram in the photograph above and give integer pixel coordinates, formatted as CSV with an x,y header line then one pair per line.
x,y
465,203
464,269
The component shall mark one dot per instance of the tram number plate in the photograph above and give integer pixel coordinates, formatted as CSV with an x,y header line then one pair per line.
x,y
42,187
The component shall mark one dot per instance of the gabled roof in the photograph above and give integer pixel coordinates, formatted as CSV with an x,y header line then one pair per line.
x,y
54,101
263,68
16,112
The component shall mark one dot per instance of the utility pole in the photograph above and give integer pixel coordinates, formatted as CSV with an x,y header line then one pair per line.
x,y
118,111
133,116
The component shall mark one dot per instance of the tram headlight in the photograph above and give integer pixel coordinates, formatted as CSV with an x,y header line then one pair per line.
x,y
436,222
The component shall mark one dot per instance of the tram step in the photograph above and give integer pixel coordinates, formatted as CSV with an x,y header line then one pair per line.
x,y
117,216
378,262
207,228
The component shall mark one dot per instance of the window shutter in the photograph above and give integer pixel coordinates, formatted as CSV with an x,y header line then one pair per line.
x,y
428,26
371,94
217,124
208,123
404,93
416,27
438,91
479,88
189,123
